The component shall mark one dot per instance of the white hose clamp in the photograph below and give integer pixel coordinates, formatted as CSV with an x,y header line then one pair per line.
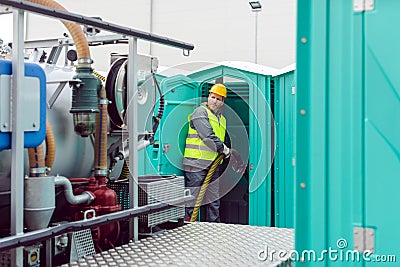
x,y
84,62
100,172
40,170
103,101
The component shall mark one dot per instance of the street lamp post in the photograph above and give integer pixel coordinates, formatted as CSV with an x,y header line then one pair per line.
x,y
255,7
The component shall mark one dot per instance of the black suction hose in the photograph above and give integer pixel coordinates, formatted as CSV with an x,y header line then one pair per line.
x,y
156,119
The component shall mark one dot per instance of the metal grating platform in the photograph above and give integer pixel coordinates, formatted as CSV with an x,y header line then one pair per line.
x,y
153,189
199,244
161,189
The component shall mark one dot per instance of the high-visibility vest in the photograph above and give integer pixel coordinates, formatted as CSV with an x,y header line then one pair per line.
x,y
195,147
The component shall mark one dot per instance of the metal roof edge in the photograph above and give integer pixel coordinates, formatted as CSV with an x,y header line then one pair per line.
x,y
250,67
286,69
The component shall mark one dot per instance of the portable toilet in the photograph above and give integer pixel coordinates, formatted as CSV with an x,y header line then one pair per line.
x,y
347,147
246,199
284,106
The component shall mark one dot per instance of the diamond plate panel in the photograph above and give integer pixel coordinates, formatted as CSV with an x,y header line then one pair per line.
x,y
199,244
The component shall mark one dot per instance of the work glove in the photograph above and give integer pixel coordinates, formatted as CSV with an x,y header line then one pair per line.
x,y
239,167
227,151
237,164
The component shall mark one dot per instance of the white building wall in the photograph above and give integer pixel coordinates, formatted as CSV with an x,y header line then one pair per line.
x,y
225,30
220,29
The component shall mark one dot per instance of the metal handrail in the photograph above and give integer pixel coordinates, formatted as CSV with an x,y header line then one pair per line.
x,y
73,17
33,237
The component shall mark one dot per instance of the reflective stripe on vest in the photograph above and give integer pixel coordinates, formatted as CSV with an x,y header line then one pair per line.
x,y
195,147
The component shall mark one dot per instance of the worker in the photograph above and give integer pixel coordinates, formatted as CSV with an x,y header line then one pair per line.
x,y
205,140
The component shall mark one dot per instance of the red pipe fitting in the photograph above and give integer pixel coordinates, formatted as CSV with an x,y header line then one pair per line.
x,y
105,202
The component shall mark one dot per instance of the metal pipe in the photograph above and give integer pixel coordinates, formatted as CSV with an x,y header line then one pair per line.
x,y
151,25
133,133
84,198
17,135
51,12
124,154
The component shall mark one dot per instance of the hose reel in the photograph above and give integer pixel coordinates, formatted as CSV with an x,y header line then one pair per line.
x,y
117,92
116,89
116,84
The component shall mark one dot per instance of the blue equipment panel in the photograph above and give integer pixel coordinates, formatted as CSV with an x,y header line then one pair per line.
x,y
31,138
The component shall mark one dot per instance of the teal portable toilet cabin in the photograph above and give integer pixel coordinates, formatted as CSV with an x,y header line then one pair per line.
x,y
148,158
249,94
247,198
284,95
180,98
262,133
348,141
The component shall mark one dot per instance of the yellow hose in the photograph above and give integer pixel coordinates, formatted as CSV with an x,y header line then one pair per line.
x,y
36,159
50,146
204,186
125,170
98,75
82,47
100,147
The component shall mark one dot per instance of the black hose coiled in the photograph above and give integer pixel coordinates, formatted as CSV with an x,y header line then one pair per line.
x,y
156,119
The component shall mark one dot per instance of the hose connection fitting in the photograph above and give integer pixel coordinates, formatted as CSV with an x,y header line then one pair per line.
x,y
100,172
40,171
85,63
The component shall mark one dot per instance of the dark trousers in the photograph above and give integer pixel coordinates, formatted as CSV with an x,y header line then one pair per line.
x,y
194,180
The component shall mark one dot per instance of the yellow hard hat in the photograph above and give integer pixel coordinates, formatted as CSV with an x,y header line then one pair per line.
x,y
218,89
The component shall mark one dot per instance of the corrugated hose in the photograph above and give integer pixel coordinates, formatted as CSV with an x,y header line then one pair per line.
x,y
204,186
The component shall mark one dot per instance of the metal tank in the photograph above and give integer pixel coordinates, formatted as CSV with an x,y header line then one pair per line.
x,y
39,207
74,154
